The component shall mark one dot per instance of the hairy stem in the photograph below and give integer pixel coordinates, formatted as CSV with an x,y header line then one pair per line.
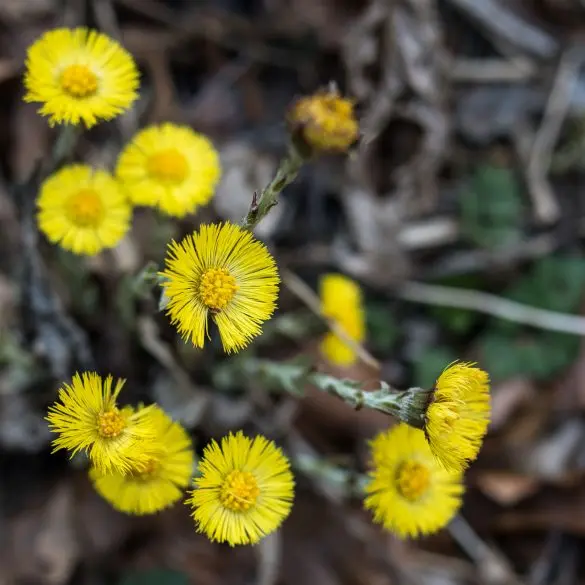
x,y
287,171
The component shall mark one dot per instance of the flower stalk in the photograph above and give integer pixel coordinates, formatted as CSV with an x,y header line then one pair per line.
x,y
292,377
287,171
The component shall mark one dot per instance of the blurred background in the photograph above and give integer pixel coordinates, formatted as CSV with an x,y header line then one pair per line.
x,y
469,176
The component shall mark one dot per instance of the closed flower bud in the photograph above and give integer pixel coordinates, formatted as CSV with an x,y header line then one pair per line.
x,y
323,122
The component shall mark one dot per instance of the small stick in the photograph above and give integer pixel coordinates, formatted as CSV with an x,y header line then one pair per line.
x,y
306,294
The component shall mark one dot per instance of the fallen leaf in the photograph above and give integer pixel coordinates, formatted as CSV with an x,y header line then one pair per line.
x,y
507,489
507,397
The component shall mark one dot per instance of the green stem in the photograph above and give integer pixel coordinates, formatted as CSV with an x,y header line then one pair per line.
x,y
406,405
287,171
63,146
292,377
350,484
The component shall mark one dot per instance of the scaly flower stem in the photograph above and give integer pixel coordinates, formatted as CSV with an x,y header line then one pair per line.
x,y
406,405
63,146
348,483
287,171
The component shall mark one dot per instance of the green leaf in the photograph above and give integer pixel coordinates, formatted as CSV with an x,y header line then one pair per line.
x,y
539,354
491,207
458,321
555,283
383,332
155,577
431,364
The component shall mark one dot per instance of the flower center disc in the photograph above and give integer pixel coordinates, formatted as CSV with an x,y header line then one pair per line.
x,y
168,165
239,491
85,208
412,480
110,424
217,288
79,81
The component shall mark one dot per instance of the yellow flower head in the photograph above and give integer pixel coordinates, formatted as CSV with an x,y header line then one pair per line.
x,y
171,167
458,414
324,121
158,482
80,75
223,272
409,492
82,209
87,418
244,492
341,300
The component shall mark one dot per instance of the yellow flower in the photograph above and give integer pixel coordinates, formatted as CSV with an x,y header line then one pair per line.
x,y
87,418
245,489
83,210
458,414
223,272
157,483
341,301
408,491
324,121
80,75
171,167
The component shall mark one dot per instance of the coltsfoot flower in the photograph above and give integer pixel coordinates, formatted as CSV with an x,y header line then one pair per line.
x,y
80,76
83,210
160,480
87,418
244,492
409,492
171,167
341,300
324,121
458,414
221,272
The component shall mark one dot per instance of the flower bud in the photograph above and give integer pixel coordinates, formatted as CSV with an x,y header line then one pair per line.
x,y
323,122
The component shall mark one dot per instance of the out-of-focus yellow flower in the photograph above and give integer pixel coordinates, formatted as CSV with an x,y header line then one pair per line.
x,y
87,418
158,482
244,492
458,414
80,75
82,209
409,492
221,272
324,121
341,300
171,167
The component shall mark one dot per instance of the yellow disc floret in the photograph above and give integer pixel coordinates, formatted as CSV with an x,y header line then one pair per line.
x,y
412,480
79,81
239,491
111,423
168,165
217,288
85,208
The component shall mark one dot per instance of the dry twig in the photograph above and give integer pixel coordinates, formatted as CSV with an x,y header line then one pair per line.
x,y
489,304
546,207
306,294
